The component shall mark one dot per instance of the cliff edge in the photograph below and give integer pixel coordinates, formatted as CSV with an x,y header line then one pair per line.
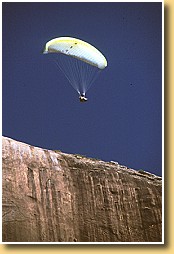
x,y
50,196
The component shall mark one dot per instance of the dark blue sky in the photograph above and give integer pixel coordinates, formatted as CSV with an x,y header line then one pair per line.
x,y
122,120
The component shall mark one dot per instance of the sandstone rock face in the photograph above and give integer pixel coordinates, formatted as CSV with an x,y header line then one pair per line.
x,y
51,196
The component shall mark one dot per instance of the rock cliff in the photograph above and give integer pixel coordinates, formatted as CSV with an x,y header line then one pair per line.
x,y
50,196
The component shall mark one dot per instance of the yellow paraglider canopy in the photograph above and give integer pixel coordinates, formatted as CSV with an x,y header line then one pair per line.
x,y
78,49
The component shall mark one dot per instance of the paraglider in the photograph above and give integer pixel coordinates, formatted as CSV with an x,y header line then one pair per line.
x,y
79,61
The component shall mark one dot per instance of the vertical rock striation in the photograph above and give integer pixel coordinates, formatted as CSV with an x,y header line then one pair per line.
x,y
56,197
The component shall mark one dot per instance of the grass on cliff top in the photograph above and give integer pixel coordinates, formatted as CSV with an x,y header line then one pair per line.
x,y
82,156
79,156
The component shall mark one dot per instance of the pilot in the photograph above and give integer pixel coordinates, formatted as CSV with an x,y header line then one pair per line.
x,y
82,98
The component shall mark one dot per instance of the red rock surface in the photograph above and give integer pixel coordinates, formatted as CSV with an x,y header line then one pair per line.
x,y
51,196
